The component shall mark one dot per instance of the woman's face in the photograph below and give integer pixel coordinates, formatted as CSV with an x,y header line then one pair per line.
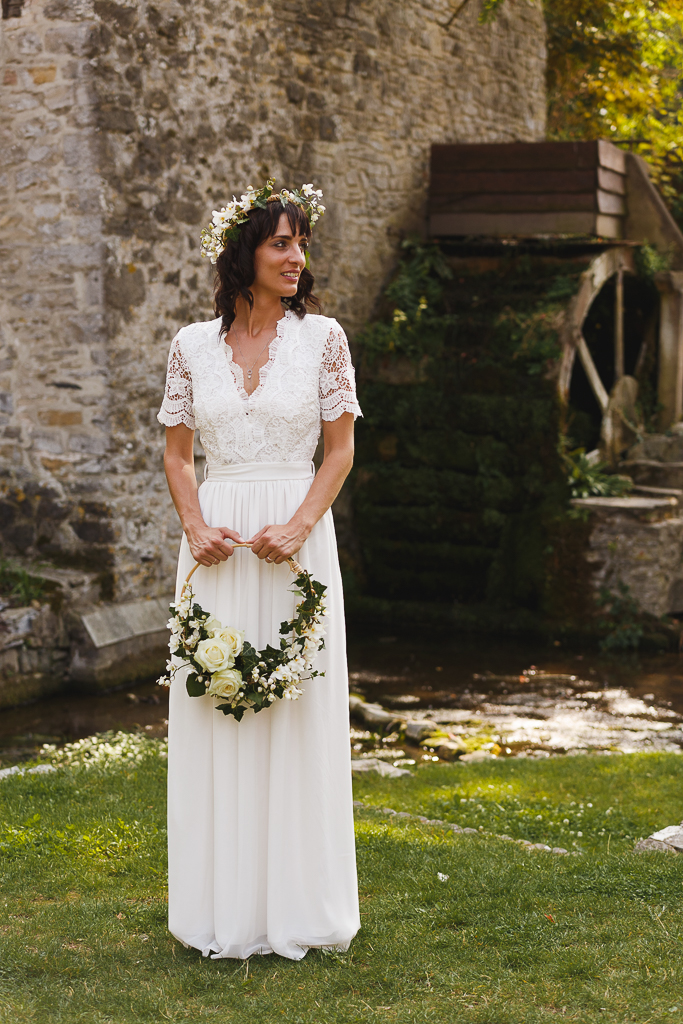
x,y
279,260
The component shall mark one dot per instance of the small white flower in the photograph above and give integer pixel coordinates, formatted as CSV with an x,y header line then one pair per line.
x,y
442,878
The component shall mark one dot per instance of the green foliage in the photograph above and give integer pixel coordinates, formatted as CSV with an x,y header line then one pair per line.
x,y
20,586
509,935
589,479
458,481
489,10
622,620
651,261
414,323
615,70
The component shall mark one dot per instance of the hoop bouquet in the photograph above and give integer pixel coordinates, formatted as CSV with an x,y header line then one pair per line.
x,y
225,665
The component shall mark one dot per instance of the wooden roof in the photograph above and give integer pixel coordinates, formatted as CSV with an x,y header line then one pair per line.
x,y
528,188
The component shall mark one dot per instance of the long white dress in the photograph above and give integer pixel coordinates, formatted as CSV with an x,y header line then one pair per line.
x,y
260,819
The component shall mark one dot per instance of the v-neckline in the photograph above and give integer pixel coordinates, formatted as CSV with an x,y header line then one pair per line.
x,y
273,346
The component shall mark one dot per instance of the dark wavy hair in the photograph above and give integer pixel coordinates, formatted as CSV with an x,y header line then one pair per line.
x,y
235,265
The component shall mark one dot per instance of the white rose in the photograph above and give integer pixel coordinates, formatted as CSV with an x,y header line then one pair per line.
x,y
234,638
211,624
225,683
214,655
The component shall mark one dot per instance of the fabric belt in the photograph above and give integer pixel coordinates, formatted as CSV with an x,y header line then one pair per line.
x,y
248,471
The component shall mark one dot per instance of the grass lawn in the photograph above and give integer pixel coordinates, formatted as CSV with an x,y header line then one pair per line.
x,y
510,937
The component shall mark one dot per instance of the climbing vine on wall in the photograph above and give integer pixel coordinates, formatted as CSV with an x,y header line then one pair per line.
x,y
459,485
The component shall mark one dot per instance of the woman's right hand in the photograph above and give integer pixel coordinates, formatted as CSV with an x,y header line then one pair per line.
x,y
210,545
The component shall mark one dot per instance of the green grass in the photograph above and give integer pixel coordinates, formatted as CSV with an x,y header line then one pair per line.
x,y
511,937
580,803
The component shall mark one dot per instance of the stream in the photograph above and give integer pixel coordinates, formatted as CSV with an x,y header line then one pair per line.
x,y
503,697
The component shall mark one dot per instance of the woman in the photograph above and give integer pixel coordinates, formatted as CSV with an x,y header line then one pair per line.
x,y
260,819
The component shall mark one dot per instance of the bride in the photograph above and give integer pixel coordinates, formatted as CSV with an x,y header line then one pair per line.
x,y
260,820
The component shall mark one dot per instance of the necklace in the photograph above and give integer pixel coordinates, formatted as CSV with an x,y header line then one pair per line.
x,y
250,370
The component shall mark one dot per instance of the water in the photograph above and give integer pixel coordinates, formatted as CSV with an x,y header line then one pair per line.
x,y
438,673
517,694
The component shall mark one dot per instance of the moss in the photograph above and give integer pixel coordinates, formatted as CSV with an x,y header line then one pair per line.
x,y
20,586
461,498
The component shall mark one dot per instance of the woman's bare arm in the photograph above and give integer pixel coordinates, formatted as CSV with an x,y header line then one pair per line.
x,y
278,543
208,545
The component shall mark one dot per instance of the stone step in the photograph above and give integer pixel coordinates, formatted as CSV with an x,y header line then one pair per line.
x,y
660,447
660,492
653,473
639,508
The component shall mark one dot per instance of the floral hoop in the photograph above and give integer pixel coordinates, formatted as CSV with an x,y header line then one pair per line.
x,y
225,665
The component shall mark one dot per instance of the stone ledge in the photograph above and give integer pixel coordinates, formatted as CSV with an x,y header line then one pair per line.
x,y
639,504
113,623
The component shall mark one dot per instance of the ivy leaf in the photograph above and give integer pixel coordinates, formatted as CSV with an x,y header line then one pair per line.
x,y
249,658
194,686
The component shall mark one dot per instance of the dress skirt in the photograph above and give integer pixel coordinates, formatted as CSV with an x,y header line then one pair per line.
x,y
260,816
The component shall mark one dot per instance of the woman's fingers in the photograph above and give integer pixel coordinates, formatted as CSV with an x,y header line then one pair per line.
x,y
211,548
231,534
272,545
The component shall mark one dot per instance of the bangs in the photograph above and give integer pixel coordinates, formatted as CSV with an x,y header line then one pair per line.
x,y
266,221
298,221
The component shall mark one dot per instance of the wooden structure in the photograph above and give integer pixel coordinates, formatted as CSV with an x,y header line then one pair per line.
x,y
555,190
528,188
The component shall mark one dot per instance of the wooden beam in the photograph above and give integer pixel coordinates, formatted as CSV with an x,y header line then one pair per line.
x,y
521,156
610,181
609,203
619,326
609,227
525,225
453,183
593,376
516,203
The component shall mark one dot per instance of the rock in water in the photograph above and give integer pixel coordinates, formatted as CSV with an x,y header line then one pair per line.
x,y
375,764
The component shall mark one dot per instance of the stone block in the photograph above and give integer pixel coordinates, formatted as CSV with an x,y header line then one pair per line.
x,y
125,289
652,846
450,751
122,643
68,10
87,444
420,729
672,835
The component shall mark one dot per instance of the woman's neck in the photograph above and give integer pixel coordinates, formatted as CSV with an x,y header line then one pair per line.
x,y
251,322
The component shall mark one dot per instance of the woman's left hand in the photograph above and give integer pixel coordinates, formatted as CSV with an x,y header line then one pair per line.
x,y
278,543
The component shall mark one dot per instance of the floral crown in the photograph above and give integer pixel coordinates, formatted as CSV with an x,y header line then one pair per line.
x,y
226,223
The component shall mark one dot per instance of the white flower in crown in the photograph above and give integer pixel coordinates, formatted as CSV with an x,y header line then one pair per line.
x,y
226,222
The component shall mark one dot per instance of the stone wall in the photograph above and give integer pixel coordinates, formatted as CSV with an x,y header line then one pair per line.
x,y
124,123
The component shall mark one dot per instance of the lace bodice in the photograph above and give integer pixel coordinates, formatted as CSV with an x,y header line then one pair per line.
x,y
308,377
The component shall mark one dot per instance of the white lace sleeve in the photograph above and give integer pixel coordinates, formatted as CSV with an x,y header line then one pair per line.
x,y
177,404
337,378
